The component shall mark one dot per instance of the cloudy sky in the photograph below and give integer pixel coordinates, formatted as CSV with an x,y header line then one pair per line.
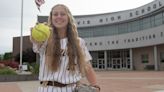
x,y
10,14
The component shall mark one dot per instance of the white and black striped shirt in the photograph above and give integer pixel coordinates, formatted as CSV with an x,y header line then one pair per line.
x,y
62,75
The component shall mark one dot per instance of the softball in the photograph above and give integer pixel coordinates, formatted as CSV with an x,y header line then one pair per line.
x,y
41,32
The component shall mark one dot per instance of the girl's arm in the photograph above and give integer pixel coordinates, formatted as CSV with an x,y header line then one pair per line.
x,y
36,45
91,76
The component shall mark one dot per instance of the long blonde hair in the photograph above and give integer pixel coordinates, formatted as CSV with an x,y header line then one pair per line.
x,y
74,50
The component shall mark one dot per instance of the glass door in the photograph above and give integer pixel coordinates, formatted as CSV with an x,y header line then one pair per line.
x,y
101,64
116,63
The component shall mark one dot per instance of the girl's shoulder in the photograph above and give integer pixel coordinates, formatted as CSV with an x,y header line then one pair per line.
x,y
81,40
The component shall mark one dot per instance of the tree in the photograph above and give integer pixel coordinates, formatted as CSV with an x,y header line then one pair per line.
x,y
28,56
1,57
7,56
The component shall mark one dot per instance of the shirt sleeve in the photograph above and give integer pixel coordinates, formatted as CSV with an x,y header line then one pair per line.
x,y
39,48
87,55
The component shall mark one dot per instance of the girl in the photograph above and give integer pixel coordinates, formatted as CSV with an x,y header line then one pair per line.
x,y
64,58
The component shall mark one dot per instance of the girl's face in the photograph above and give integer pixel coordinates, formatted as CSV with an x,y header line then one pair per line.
x,y
59,17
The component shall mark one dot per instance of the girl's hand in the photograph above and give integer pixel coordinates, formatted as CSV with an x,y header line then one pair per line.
x,y
97,88
33,40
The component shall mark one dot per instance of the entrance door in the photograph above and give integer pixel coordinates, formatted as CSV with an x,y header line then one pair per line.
x,y
116,63
101,64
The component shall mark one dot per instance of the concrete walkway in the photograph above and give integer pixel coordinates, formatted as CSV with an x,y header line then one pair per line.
x,y
110,81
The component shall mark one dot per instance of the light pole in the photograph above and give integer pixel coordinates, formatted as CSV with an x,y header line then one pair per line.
x,y
21,38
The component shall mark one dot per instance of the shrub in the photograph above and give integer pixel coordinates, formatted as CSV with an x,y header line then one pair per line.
x,y
149,67
11,64
7,56
34,68
7,71
2,65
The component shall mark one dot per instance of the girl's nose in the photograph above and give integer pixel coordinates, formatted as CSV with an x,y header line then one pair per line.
x,y
59,15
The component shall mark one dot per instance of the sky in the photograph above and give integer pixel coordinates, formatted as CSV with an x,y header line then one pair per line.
x,y
10,14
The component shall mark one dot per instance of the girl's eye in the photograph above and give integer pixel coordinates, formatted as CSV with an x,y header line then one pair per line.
x,y
59,14
55,14
62,14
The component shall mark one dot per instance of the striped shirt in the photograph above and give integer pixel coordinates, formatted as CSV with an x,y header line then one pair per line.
x,y
62,75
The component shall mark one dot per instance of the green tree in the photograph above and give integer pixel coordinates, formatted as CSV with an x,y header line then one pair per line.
x,y
7,56
1,56
28,56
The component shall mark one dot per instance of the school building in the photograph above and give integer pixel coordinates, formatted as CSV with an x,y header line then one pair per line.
x,y
125,40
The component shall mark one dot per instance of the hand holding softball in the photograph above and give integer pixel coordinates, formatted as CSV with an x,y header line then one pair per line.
x,y
40,32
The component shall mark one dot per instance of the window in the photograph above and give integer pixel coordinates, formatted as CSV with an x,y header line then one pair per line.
x,y
112,18
153,35
116,54
117,42
100,43
83,22
149,36
119,17
108,42
122,28
158,19
161,34
129,28
128,40
131,14
132,40
146,23
88,22
148,8
106,19
112,42
135,26
160,4
136,12
101,54
162,57
152,21
78,22
101,20
144,58
95,43
90,44
143,10
143,37
154,6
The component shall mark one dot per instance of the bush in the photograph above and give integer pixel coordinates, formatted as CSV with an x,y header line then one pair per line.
x,y
2,65
149,67
11,64
7,71
7,56
34,68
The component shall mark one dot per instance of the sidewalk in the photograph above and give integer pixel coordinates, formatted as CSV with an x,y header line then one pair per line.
x,y
21,86
110,81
